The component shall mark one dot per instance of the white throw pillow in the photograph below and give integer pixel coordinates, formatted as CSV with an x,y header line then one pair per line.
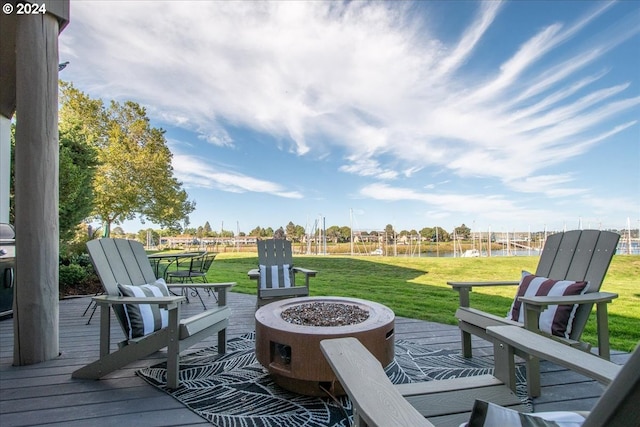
x,y
142,319
275,276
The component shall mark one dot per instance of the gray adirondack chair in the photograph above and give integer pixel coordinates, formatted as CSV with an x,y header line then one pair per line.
x,y
378,403
578,255
121,261
276,274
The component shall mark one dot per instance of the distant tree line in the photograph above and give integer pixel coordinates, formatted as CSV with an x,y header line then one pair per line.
x,y
296,233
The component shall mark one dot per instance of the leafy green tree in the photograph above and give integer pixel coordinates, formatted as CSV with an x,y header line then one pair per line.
x,y
76,171
345,233
279,233
442,234
118,231
435,234
142,236
227,233
82,115
291,231
463,232
78,160
262,232
333,233
207,229
339,234
299,232
428,233
134,176
389,233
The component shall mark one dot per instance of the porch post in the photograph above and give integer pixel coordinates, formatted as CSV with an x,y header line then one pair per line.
x,y
35,306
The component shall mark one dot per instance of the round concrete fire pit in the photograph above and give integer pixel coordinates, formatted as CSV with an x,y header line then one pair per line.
x,y
290,349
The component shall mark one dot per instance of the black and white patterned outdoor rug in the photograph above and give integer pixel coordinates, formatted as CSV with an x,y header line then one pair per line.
x,y
234,390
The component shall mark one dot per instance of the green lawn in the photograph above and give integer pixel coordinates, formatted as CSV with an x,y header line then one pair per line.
x,y
416,287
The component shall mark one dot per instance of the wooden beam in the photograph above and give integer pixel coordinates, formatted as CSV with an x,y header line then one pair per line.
x,y
35,313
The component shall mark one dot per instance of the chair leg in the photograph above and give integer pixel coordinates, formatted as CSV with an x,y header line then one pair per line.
x,y
209,290
505,370
533,376
95,306
197,293
201,301
88,307
466,343
183,292
173,351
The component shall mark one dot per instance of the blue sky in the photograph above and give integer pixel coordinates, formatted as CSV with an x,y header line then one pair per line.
x,y
500,115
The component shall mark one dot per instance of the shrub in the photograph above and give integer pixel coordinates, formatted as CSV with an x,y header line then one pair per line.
x,y
71,275
76,279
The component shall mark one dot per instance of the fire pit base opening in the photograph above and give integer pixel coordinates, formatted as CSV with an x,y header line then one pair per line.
x,y
291,352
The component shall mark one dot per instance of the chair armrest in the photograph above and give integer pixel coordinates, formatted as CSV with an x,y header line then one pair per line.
x,y
459,285
254,274
221,288
545,348
165,302
464,288
305,271
216,286
592,298
307,274
533,306
375,399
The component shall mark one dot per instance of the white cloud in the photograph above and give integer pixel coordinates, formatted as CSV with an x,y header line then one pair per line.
x,y
479,203
193,171
552,186
368,167
290,68
371,81
486,14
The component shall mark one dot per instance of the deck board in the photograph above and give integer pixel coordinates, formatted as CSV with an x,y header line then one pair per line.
x,y
45,394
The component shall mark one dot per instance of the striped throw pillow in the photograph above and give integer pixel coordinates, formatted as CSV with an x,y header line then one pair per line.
x,y
142,319
556,319
275,276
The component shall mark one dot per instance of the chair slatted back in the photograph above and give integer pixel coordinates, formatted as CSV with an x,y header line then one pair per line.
x,y
120,261
618,405
275,252
578,255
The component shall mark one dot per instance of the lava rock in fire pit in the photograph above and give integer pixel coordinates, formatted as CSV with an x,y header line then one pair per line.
x,y
325,314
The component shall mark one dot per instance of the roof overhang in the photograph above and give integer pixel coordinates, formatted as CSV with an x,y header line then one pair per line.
x,y
8,26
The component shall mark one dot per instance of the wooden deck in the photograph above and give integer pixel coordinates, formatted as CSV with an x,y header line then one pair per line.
x,y
45,393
